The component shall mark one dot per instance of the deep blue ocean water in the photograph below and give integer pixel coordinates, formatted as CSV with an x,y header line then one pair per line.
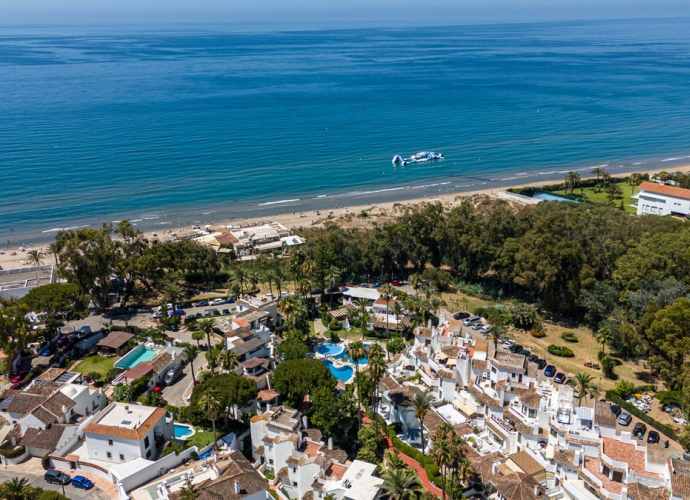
x,y
170,125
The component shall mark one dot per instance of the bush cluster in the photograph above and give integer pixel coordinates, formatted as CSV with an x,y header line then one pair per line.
x,y
569,336
561,351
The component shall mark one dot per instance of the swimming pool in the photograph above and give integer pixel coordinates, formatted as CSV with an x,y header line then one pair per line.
x,y
334,350
183,431
137,355
553,197
343,373
362,361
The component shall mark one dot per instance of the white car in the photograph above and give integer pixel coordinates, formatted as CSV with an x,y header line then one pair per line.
x,y
216,302
508,344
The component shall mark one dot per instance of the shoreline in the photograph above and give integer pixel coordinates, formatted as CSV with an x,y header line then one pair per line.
x,y
292,220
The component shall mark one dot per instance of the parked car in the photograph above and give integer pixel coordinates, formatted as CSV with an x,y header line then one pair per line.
x,y
378,284
616,410
82,483
145,310
639,430
523,352
215,312
172,327
177,312
83,332
508,344
201,303
395,282
364,285
461,315
477,326
184,305
216,302
471,320
231,300
532,358
173,374
225,311
625,418
207,312
541,363
19,377
316,291
56,477
486,329
550,371
516,348
653,437
559,378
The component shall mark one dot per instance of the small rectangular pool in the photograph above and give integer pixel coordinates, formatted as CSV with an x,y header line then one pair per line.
x,y
137,355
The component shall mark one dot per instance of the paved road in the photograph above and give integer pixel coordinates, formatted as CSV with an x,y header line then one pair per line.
x,y
94,493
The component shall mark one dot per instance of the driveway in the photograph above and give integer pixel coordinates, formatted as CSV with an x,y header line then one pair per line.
x,y
37,480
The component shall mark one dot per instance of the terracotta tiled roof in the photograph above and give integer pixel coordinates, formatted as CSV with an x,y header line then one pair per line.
x,y
623,452
44,415
680,478
291,461
526,462
432,422
482,465
115,340
337,455
445,374
481,345
259,451
283,473
160,362
313,434
420,353
527,429
483,397
56,402
241,471
423,332
531,398
126,433
390,383
518,486
24,403
309,495
565,457
267,395
403,395
50,374
638,491
140,370
43,390
480,364
451,350
675,192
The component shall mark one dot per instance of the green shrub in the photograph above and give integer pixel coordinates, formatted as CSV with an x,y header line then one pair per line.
x,y
269,475
667,430
561,351
14,453
624,388
569,336
669,397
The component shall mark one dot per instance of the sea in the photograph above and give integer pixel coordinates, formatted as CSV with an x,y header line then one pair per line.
x,y
172,125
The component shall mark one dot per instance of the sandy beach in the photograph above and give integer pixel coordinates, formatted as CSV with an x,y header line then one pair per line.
x,y
310,219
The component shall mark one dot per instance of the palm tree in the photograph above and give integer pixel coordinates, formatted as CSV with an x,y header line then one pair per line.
x,y
397,309
173,294
228,360
332,277
254,278
392,460
239,276
198,336
598,171
442,454
211,405
376,371
207,325
387,293
54,249
604,337
614,190
15,488
422,403
400,484
280,278
663,176
270,276
429,291
188,491
357,351
191,351
585,386
436,303
572,180
34,258
416,281
634,180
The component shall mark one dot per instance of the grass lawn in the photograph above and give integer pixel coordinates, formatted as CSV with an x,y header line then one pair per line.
x,y
585,349
201,439
96,364
588,194
459,301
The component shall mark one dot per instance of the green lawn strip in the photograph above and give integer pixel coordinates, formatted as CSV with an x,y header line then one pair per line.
x,y
200,439
96,364
590,195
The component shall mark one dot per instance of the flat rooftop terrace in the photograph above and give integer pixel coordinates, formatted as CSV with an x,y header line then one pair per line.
x,y
126,416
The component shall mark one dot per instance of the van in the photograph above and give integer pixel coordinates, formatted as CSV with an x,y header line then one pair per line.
x,y
471,320
56,477
83,332
173,374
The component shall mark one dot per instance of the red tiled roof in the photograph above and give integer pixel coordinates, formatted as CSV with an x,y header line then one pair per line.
x,y
675,192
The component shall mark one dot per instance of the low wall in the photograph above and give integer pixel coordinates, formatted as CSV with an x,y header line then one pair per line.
x,y
17,460
85,467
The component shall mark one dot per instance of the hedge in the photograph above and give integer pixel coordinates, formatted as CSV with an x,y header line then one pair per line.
x,y
667,430
430,467
569,336
14,453
561,351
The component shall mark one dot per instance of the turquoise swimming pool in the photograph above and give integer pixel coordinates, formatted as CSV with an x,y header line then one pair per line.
x,y
343,373
137,355
183,431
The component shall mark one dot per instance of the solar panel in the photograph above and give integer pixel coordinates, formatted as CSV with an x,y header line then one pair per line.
x,y
65,377
7,402
584,413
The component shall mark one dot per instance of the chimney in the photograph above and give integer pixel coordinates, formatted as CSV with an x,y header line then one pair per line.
x,y
537,490
268,381
127,407
268,407
238,490
305,422
330,443
494,469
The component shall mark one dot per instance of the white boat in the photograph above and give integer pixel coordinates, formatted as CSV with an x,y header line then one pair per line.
x,y
421,157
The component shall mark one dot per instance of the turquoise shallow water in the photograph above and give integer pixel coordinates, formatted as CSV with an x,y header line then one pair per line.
x,y
132,359
175,125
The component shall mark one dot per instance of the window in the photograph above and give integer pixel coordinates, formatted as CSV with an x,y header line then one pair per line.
x,y
532,413
122,457
110,442
147,443
110,455
148,453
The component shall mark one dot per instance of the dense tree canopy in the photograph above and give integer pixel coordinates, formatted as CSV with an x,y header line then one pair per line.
x,y
64,300
300,377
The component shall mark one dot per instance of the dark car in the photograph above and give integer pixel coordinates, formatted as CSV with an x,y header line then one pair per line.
x,y
201,303
559,378
230,300
316,291
56,477
616,410
639,430
215,312
333,289
82,483
532,358
177,312
550,371
461,315
173,327
516,348
523,352
183,305
653,437
225,311
625,418
541,364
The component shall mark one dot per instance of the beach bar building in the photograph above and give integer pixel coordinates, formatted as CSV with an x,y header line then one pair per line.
x,y
115,343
